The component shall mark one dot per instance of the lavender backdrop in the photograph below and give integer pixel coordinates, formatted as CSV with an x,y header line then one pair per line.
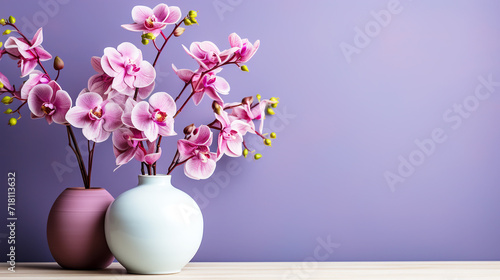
x,y
388,132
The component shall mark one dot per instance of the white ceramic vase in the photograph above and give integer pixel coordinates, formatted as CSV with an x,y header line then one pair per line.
x,y
154,228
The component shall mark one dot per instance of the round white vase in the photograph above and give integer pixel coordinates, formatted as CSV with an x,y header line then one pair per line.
x,y
154,228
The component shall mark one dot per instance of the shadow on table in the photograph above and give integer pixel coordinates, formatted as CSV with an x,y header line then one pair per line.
x,y
54,267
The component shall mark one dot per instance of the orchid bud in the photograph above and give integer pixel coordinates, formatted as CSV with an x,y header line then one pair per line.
x,y
273,135
188,22
6,32
58,63
189,129
3,22
193,20
12,121
150,36
244,68
7,100
8,111
1,85
247,100
178,31
1,44
258,97
245,152
270,111
145,41
192,14
216,107
267,142
275,100
12,19
257,156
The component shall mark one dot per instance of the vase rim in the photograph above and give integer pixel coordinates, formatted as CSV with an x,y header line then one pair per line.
x,y
152,176
84,189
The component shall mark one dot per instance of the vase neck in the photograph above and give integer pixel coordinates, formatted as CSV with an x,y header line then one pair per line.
x,y
155,180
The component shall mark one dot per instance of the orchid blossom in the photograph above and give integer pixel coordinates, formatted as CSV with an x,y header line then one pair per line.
x,y
156,117
49,101
153,20
245,49
231,135
125,65
210,84
199,161
28,53
96,117
126,142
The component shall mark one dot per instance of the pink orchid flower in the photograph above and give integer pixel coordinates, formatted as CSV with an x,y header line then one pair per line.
x,y
206,53
126,142
96,117
36,77
102,84
200,162
245,49
249,113
156,117
28,53
150,155
153,20
231,135
5,83
49,101
125,65
210,84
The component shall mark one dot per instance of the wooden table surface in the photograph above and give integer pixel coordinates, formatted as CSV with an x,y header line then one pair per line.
x,y
276,270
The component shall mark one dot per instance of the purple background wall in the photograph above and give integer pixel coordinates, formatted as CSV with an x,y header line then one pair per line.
x,y
345,120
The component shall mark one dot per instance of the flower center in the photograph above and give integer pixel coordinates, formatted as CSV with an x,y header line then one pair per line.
x,y
209,79
48,108
229,134
159,117
150,21
203,154
131,68
95,114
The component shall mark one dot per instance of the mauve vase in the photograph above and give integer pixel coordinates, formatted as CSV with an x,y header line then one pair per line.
x,y
75,229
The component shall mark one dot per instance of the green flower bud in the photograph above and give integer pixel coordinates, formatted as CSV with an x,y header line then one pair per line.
x,y
245,152
178,31
58,63
7,100
244,68
12,19
12,121
3,22
1,44
273,135
8,111
145,41
193,14
216,107
258,97
267,142
7,32
274,99
149,36
257,156
193,20
188,22
1,85
270,111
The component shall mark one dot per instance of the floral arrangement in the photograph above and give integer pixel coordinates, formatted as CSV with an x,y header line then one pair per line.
x,y
119,101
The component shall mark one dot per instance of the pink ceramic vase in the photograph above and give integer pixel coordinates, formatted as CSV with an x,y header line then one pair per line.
x,y
75,229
